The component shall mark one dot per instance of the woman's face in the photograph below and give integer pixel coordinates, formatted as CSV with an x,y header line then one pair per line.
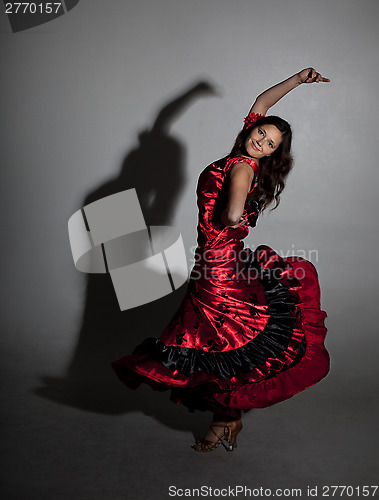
x,y
262,141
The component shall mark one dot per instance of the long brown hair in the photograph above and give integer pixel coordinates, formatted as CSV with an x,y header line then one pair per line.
x,y
273,169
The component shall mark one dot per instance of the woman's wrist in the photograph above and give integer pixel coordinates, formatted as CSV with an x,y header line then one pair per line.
x,y
297,79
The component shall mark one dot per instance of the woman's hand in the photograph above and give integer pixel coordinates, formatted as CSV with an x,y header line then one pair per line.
x,y
310,75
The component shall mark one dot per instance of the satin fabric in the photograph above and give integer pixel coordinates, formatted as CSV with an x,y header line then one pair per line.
x,y
249,332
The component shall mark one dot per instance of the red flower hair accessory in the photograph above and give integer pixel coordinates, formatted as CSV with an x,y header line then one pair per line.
x,y
251,119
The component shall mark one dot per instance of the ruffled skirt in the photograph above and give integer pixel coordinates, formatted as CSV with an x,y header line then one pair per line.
x,y
241,343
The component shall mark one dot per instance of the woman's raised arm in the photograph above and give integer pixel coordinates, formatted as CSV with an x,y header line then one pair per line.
x,y
272,95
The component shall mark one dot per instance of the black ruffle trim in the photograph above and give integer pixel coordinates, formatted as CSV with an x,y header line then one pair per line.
x,y
270,343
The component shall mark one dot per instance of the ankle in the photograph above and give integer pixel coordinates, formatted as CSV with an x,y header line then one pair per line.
x,y
220,416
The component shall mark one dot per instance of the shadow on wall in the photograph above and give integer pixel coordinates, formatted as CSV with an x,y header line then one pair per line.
x,y
156,169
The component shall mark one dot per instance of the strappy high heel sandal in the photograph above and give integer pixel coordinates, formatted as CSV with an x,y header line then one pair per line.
x,y
228,439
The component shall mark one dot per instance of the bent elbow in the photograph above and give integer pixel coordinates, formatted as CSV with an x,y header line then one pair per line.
x,y
230,218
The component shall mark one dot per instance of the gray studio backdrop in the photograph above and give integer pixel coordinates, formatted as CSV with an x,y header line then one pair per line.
x,y
118,94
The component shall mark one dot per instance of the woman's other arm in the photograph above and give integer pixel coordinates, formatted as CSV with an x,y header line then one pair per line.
x,y
272,95
241,177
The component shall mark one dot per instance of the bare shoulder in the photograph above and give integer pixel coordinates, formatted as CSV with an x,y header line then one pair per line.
x,y
244,166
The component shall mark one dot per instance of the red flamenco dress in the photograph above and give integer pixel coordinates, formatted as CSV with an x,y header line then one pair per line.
x,y
249,332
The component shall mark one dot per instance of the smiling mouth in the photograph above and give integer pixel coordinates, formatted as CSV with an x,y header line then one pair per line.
x,y
255,147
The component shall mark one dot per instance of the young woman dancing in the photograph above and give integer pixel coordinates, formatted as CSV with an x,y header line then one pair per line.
x,y
249,332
